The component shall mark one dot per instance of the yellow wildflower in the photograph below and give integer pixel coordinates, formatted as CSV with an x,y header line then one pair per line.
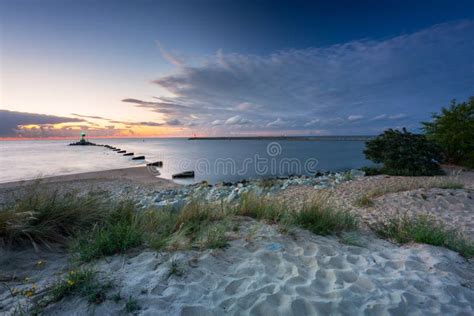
x,y
70,282
29,293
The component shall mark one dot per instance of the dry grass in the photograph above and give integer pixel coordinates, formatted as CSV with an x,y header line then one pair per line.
x,y
405,184
43,217
408,184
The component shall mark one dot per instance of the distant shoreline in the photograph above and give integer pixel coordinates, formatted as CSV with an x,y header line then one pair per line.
x,y
290,138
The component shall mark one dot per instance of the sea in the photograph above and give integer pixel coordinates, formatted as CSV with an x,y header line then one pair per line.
x,y
222,160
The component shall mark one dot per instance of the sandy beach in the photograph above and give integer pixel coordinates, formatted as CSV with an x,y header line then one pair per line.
x,y
263,271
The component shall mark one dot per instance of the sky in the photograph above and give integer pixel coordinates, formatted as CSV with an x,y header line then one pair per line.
x,y
220,68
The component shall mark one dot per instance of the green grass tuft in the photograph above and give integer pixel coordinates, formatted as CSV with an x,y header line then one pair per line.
x,y
215,237
82,283
451,185
321,219
260,208
352,239
131,306
424,229
364,201
176,268
120,232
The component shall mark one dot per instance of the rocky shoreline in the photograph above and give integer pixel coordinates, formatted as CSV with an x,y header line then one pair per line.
x,y
229,192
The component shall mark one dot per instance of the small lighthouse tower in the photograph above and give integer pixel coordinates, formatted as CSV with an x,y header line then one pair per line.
x,y
83,137
82,141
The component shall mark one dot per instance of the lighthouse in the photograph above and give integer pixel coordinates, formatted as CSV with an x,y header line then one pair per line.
x,y
83,139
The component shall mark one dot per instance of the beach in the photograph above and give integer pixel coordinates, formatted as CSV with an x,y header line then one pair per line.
x,y
263,270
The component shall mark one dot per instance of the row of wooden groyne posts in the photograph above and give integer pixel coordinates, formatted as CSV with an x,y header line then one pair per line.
x,y
185,174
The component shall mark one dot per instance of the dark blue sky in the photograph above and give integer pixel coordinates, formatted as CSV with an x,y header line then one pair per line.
x,y
218,61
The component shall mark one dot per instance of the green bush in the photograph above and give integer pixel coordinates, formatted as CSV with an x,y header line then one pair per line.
x,y
371,171
404,153
453,131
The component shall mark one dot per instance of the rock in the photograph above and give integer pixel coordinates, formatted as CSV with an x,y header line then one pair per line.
x,y
138,158
357,173
233,195
121,151
172,204
128,154
155,164
320,186
185,174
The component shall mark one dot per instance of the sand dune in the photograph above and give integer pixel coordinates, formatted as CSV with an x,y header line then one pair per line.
x,y
266,273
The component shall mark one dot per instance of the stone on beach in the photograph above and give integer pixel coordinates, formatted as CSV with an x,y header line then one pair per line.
x,y
155,164
185,174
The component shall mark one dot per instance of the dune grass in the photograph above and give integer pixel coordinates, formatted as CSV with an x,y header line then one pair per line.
x,y
316,216
42,217
320,219
82,282
424,229
95,226
120,231
414,183
366,199
260,208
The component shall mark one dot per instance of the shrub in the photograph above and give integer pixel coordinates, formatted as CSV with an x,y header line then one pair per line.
x,y
424,229
453,131
371,171
404,153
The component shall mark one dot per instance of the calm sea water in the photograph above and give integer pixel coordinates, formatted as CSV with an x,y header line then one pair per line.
x,y
212,160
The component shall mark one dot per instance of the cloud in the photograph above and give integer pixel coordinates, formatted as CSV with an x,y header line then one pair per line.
x,y
247,106
277,122
389,117
174,122
397,116
236,120
413,74
11,122
313,122
354,117
172,58
379,117
91,117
